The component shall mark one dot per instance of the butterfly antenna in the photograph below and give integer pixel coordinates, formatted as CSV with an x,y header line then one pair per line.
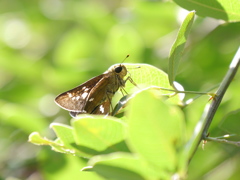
x,y
125,58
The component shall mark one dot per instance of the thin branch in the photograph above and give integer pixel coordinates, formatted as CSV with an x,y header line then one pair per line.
x,y
221,91
188,92
211,110
236,143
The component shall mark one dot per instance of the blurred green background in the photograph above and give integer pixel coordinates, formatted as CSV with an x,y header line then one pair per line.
x,y
50,46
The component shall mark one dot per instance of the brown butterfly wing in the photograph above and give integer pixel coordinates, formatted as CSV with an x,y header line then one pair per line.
x,y
98,94
103,108
85,98
76,98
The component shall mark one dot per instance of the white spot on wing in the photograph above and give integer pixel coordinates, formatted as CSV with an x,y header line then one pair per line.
x,y
69,95
101,109
91,99
84,95
76,98
86,89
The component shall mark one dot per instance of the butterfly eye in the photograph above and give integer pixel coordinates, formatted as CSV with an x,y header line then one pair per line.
x,y
118,69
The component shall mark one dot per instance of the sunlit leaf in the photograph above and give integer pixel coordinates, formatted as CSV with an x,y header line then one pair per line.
x,y
219,9
99,134
178,46
145,75
37,139
156,131
64,133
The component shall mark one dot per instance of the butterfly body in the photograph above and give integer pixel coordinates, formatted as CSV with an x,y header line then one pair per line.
x,y
95,95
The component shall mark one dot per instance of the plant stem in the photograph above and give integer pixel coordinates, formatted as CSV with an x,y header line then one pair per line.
x,y
236,143
211,110
178,91
221,91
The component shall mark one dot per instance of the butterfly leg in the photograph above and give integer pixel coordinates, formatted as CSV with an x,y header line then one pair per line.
x,y
123,91
131,81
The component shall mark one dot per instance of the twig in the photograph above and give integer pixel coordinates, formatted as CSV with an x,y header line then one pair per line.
x,y
188,92
211,110
236,143
221,91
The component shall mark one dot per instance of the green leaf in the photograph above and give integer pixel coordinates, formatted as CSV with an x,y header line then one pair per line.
x,y
99,134
35,138
119,166
219,9
64,133
89,136
156,132
65,137
145,75
178,46
65,142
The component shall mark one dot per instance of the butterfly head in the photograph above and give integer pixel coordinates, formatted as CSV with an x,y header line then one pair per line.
x,y
118,69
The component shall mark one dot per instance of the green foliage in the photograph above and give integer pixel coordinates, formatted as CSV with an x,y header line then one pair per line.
x,y
98,135
178,46
155,132
144,133
48,47
145,75
219,9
